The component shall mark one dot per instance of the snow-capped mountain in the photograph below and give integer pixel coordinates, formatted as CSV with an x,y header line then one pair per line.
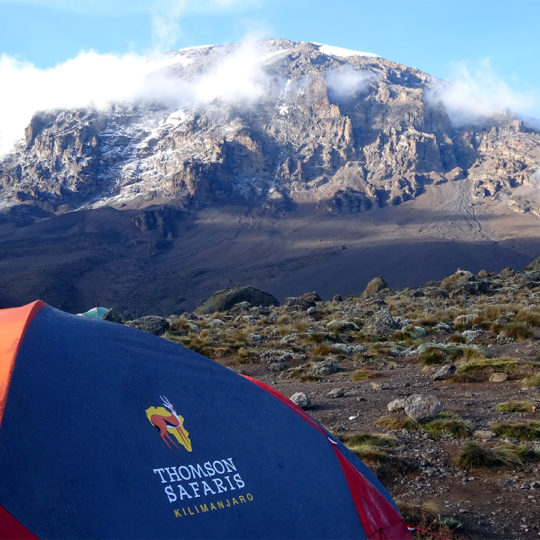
x,y
277,125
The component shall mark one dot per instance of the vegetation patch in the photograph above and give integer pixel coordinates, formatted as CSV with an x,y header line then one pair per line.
x,y
523,431
370,447
397,420
514,406
518,331
475,456
427,516
448,425
364,374
433,356
483,368
531,381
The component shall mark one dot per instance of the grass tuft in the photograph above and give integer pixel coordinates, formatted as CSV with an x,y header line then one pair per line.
x,y
475,456
514,406
523,431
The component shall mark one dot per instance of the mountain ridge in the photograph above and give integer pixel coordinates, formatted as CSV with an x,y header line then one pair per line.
x,y
277,166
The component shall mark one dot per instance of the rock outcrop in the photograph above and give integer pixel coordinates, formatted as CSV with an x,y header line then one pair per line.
x,y
226,299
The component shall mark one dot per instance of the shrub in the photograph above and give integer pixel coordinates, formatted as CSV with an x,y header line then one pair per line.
x,y
371,448
530,317
447,425
531,381
514,406
427,516
322,350
433,356
525,431
397,421
483,368
474,455
363,375
518,331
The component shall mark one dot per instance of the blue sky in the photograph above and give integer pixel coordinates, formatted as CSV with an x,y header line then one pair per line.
x,y
429,34
489,47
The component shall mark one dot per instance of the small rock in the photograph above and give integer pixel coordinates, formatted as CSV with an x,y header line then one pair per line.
x,y
311,312
471,335
443,327
302,400
396,405
443,372
498,377
346,348
194,328
276,366
336,393
353,417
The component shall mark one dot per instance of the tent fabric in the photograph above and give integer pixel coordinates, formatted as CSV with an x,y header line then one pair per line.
x,y
110,432
95,313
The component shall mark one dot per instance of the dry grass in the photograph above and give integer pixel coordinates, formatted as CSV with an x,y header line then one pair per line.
x,y
483,368
515,406
364,375
523,431
475,456
448,425
427,517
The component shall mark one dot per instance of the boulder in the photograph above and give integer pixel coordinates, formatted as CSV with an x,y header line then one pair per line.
x,y
302,400
420,407
381,323
225,299
457,279
375,286
153,324
305,301
341,326
325,367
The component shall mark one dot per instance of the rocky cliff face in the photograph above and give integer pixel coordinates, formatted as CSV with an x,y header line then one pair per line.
x,y
343,133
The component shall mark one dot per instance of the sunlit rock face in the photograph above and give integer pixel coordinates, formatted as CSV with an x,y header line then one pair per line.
x,y
275,125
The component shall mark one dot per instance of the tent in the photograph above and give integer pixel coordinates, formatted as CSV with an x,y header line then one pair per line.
x,y
95,313
110,432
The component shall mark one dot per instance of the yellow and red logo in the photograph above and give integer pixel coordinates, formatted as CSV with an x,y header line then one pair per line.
x,y
169,422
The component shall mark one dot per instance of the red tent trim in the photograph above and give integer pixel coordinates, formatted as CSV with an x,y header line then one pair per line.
x,y
379,518
14,323
11,529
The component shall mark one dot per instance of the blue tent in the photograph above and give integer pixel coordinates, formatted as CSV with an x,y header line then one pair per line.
x,y
109,432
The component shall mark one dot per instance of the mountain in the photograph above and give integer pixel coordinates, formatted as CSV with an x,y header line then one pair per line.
x,y
279,164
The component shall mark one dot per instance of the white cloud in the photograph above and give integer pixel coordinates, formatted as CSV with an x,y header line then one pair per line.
x,y
473,94
345,83
98,80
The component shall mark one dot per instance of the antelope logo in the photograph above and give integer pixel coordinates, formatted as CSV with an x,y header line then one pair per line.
x,y
169,423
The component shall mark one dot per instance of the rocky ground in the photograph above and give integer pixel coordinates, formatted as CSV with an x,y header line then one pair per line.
x,y
435,387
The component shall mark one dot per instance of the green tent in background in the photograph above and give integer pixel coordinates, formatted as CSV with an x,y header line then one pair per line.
x,y
95,313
